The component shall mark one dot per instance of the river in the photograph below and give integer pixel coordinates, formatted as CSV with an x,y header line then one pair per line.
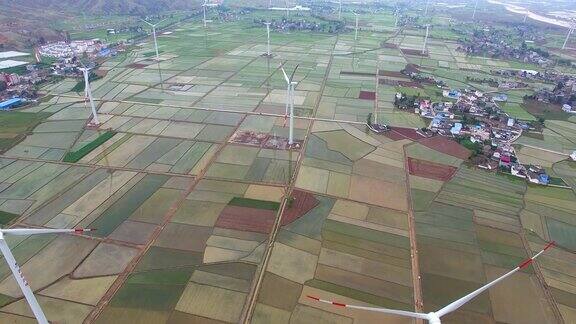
x,y
532,15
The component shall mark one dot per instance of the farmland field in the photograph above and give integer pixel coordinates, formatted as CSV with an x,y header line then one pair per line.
x,y
204,216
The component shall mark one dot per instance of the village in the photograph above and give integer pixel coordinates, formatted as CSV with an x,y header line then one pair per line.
x,y
475,120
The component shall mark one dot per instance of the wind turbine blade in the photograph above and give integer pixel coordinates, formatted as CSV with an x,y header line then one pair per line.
x,y
33,231
458,303
373,309
294,72
285,75
28,294
146,22
156,24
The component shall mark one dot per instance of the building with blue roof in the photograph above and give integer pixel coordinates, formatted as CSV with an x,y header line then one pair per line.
x,y
10,103
456,129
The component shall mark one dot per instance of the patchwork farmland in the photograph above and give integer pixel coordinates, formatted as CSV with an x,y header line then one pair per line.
x,y
202,217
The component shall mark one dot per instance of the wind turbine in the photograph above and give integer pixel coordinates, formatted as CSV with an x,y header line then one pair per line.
x,y
15,268
434,317
425,39
426,9
290,87
340,10
268,53
204,5
88,94
474,12
356,28
570,30
397,14
156,48
287,11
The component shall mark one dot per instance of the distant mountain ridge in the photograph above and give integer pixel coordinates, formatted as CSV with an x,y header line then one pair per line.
x,y
100,7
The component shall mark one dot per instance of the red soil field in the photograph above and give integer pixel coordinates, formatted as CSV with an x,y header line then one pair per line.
x,y
398,133
414,52
367,95
446,146
392,74
261,220
431,170
303,202
246,219
136,66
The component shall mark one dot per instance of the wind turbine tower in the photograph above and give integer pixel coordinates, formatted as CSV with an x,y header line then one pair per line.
x,y
570,30
397,17
426,9
434,317
88,95
156,48
474,12
15,268
290,89
268,43
356,28
425,39
340,10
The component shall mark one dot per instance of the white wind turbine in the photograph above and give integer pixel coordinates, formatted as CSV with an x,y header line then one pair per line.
x,y
397,14
570,30
426,9
154,35
15,268
425,40
268,53
290,88
356,28
340,10
204,6
156,48
474,12
434,317
88,94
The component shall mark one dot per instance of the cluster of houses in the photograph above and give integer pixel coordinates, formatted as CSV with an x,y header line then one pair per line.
x,y
69,49
422,78
302,24
495,43
13,85
476,116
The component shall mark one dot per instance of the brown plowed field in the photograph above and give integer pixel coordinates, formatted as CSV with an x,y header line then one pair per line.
x,y
446,146
431,170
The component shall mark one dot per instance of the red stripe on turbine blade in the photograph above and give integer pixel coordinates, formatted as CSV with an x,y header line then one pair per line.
x,y
338,304
312,297
549,245
81,230
525,263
